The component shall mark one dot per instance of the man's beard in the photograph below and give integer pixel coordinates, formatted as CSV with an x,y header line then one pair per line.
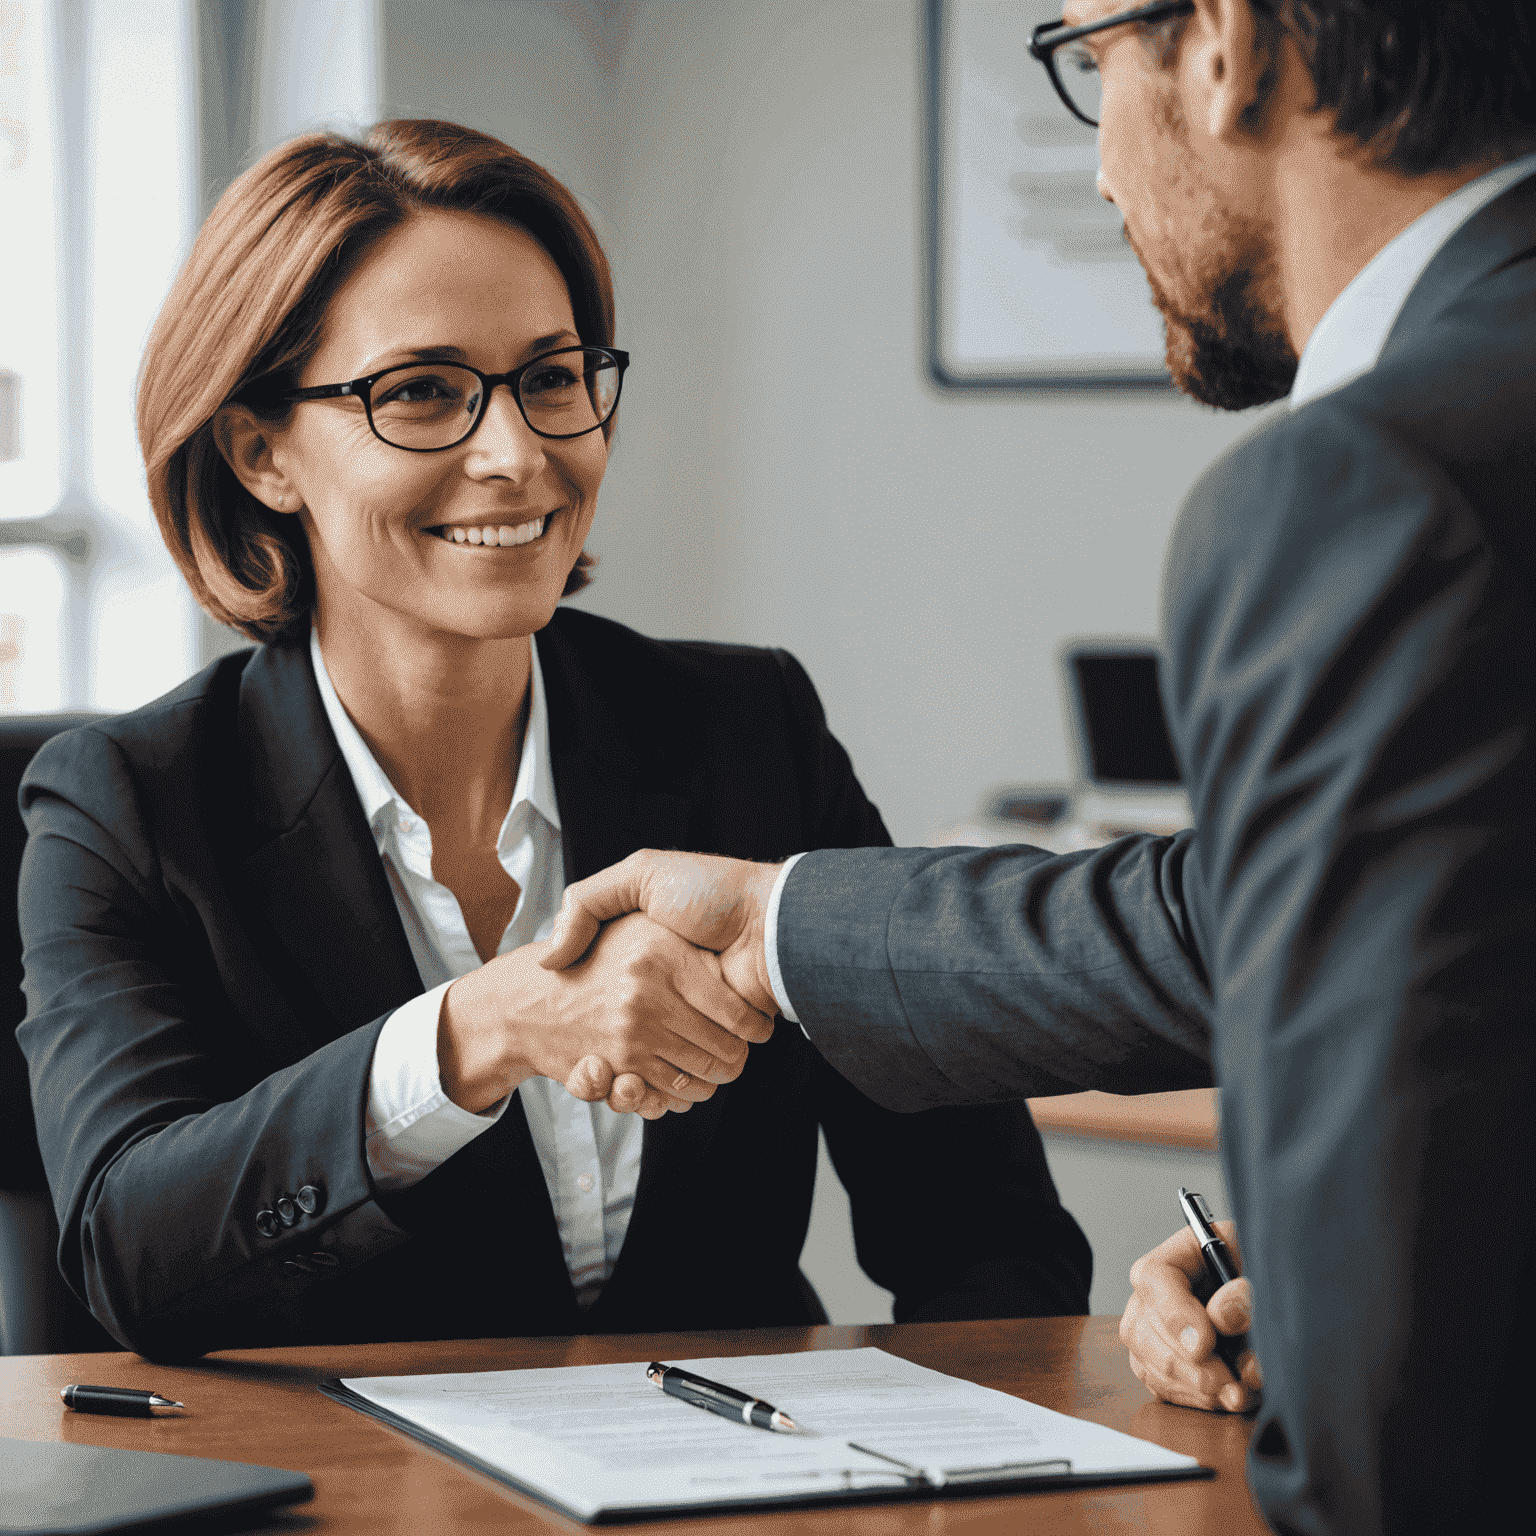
x,y
1233,352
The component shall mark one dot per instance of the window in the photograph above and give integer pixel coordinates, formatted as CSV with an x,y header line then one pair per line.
x,y
97,191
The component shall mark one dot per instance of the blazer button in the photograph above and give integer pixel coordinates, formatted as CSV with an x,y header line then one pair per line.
x,y
310,1200
287,1211
266,1223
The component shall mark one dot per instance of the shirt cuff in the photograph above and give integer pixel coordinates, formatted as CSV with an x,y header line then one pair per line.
x,y
412,1125
771,943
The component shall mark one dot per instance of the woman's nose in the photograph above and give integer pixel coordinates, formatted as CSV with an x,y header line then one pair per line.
x,y
504,443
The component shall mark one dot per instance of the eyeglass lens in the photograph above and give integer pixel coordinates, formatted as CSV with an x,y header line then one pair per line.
x,y
1080,78
434,405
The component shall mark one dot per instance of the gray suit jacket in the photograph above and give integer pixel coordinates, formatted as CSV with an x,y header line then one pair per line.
x,y
1346,941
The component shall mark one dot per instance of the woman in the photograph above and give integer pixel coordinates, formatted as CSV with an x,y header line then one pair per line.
x,y
375,413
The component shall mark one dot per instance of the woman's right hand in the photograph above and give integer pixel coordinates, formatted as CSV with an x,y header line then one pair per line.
x,y
641,1001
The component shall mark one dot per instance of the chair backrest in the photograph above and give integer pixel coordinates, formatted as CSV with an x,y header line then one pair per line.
x,y
38,1314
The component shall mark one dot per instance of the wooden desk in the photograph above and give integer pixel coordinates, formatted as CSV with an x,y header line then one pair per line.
x,y
262,1406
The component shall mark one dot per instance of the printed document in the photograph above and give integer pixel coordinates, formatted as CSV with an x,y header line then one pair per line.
x,y
602,1441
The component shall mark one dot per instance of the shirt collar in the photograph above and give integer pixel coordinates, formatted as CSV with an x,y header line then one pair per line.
x,y
382,804
1348,339
535,773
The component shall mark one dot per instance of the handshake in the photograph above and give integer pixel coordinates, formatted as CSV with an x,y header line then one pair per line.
x,y
646,994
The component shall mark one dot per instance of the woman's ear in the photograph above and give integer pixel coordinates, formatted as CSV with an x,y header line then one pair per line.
x,y
245,441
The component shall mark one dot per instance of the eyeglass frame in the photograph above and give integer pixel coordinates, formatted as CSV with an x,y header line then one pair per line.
x,y
1046,51
363,390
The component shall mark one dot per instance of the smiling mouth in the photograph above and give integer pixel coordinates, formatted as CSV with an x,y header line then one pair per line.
x,y
493,535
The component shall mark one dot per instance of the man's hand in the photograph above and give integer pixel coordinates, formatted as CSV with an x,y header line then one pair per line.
x,y
1172,1338
656,1008
718,904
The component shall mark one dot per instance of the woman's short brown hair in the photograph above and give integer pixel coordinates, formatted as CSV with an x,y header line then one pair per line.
x,y
249,305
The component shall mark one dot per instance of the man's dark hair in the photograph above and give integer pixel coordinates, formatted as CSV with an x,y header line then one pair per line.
x,y
1431,85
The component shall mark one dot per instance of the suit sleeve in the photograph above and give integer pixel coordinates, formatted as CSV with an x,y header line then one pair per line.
x,y
161,1155
943,976
954,1209
1351,682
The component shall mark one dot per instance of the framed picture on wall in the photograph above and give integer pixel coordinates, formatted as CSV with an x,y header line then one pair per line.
x,y
1029,279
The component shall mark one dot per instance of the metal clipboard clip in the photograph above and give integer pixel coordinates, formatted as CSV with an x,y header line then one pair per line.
x,y
956,1477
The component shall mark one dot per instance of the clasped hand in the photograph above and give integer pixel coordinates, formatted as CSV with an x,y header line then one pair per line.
x,y
716,904
639,1006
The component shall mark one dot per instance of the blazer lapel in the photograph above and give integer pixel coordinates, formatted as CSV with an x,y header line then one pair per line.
x,y
315,876
607,810
613,801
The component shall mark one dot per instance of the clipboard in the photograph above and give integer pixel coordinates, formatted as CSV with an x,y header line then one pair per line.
x,y
478,1420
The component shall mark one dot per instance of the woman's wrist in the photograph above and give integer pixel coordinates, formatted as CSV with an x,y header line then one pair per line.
x,y
477,1060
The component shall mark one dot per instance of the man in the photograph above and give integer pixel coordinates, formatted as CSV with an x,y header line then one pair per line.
x,y
1347,936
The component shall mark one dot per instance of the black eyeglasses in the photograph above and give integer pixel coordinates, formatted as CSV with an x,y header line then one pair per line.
x,y
426,407
1076,74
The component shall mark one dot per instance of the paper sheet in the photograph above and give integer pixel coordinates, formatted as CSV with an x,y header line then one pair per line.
x,y
601,1439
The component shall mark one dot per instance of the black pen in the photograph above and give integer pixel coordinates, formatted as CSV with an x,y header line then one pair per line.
x,y
124,1401
726,1401
1220,1267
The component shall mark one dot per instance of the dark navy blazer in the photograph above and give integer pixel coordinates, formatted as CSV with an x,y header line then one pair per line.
x,y
212,948
1347,940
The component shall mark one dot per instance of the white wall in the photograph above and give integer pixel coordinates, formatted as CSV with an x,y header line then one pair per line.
x,y
533,72
782,473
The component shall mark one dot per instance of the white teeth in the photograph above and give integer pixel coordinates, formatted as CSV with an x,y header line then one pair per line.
x,y
500,536
524,533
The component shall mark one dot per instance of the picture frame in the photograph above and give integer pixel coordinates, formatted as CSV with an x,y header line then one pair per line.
x,y
1029,281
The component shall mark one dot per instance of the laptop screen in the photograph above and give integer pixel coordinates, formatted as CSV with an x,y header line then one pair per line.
x,y
1124,733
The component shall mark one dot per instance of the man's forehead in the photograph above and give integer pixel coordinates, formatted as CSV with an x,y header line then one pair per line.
x,y
1076,12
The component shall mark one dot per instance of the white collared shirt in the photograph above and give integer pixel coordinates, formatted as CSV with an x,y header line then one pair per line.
x,y
1348,340
589,1154
1345,343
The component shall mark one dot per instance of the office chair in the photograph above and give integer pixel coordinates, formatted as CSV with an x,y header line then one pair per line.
x,y
38,1313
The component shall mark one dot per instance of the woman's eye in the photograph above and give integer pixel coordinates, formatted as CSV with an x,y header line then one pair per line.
x,y
549,380
417,391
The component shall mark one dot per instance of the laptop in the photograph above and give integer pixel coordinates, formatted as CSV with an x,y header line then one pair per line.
x,y
63,1489
1129,773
